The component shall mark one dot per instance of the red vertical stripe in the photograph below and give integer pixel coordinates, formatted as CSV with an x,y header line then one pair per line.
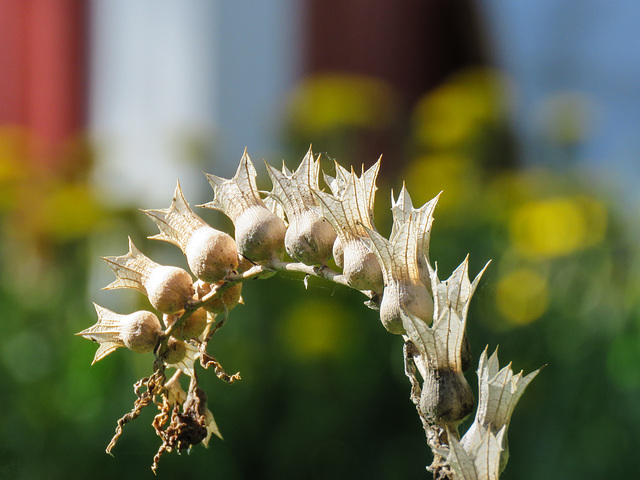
x,y
42,80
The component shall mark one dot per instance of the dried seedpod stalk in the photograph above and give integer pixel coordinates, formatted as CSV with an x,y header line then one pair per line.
x,y
395,274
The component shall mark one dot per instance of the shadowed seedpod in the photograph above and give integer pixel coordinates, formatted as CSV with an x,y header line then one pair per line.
x,y
192,327
168,288
139,332
446,396
499,391
222,303
259,233
176,351
422,218
211,254
350,214
309,238
403,289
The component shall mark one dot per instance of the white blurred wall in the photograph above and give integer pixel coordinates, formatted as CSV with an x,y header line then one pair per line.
x,y
180,86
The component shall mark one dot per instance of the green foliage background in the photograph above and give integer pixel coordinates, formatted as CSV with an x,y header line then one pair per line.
x,y
323,393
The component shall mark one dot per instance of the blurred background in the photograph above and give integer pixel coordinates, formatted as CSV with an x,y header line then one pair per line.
x,y
525,114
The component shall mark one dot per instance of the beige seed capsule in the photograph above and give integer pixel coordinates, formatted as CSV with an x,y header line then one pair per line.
x,y
259,233
211,254
168,288
412,298
361,267
192,327
309,237
140,331
222,303
349,210
176,351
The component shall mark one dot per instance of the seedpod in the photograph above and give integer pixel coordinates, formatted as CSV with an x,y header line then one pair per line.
x,y
211,254
221,303
176,351
350,214
168,288
259,233
446,396
309,238
140,332
191,327
403,289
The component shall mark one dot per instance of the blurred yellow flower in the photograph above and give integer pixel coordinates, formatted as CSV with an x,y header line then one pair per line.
x,y
522,296
455,175
558,226
331,101
450,115
314,328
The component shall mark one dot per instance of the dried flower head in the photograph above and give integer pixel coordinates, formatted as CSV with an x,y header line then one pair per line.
x,y
422,219
309,238
446,396
499,392
259,233
481,461
400,259
350,214
211,254
168,288
139,332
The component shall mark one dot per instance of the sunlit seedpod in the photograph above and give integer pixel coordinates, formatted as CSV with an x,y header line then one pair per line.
x,y
350,214
140,332
259,233
168,288
222,303
403,288
211,254
422,219
309,238
176,351
191,327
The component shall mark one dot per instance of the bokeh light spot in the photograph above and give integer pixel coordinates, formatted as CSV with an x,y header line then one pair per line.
x,y
455,175
334,101
559,226
522,296
314,328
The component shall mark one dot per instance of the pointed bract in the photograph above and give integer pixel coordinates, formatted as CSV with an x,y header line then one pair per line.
x,y
131,270
105,332
309,238
259,233
480,461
